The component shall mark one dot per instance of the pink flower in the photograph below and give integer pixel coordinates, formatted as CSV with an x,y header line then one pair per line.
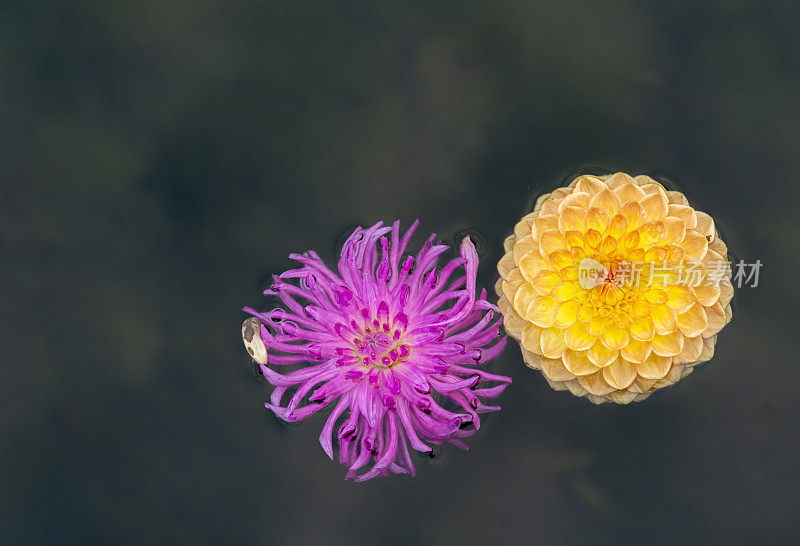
x,y
388,342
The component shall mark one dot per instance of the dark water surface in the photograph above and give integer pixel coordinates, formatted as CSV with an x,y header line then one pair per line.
x,y
159,160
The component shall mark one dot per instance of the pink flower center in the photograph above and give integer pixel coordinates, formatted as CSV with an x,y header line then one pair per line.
x,y
378,345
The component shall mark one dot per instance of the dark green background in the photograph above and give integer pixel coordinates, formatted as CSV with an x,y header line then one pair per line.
x,y
159,159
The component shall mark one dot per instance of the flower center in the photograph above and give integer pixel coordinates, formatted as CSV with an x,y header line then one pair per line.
x,y
613,302
613,292
378,345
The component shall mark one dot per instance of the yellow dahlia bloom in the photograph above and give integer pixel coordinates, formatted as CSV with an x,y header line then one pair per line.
x,y
614,287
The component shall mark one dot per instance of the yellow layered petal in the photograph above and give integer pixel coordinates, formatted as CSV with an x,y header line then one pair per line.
x,y
685,213
588,184
600,355
552,342
523,296
531,264
560,259
573,238
636,351
656,296
550,241
630,191
595,384
577,338
642,328
707,295
565,290
544,282
642,385
705,225
676,230
655,367
592,238
523,227
586,311
540,311
692,349
531,334
508,243
606,200
695,245
677,198
578,363
617,180
566,314
541,224
597,219
680,298
668,345
717,318
506,265
596,325
634,213
664,319
554,369
693,322
622,397
571,219
511,283
614,337
608,246
523,246
641,308
620,373
655,206
577,199
618,226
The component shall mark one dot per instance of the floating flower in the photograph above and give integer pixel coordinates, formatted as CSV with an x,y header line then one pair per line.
x,y
614,287
392,341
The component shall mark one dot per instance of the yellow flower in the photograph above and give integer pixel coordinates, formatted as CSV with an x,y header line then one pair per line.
x,y
614,287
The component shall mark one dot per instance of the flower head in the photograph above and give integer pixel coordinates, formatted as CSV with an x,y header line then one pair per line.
x,y
392,343
615,287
